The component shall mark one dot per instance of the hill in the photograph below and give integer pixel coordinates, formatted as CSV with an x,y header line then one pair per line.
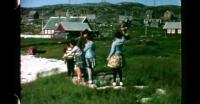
x,y
124,8
105,12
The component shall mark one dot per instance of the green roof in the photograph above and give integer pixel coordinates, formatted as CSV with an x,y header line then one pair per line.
x,y
54,21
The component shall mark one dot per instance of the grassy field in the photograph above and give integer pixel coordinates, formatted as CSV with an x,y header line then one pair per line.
x,y
151,61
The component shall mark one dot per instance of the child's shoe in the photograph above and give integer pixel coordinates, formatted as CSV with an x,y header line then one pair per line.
x,y
90,82
114,84
121,83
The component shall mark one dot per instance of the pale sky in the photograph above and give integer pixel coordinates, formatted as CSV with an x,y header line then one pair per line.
x,y
37,3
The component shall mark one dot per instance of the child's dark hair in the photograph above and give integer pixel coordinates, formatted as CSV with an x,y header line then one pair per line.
x,y
86,31
89,37
89,34
73,42
65,49
118,34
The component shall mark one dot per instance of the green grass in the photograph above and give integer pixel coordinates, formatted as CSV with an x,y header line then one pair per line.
x,y
154,62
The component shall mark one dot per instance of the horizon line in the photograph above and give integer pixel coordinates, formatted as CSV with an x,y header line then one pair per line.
x,y
94,3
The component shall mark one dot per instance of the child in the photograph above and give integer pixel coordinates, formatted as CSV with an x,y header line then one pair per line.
x,y
78,59
90,57
69,60
116,50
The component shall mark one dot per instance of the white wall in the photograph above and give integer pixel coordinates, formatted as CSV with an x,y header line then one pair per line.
x,y
48,31
173,31
36,36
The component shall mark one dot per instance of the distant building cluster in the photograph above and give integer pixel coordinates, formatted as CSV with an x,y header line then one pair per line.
x,y
125,18
152,22
172,25
75,21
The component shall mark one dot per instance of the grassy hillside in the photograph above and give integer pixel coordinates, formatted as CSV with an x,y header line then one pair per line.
x,y
151,61
134,9
105,12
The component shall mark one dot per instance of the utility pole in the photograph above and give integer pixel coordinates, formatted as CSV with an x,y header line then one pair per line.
x,y
103,1
154,3
42,21
146,25
146,30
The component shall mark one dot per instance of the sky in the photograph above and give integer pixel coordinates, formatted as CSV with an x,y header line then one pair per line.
x,y
38,3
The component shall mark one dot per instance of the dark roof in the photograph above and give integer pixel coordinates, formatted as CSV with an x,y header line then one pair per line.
x,y
91,16
31,13
149,12
54,21
76,19
75,26
172,25
125,17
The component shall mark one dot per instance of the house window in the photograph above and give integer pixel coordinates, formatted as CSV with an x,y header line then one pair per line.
x,y
179,31
173,31
52,31
49,32
168,31
45,31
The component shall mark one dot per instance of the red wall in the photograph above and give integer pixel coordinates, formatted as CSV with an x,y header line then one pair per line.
x,y
60,28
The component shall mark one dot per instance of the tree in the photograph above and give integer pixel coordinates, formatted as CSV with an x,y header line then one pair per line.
x,y
36,16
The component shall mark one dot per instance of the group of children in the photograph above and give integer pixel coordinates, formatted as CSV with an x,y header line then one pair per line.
x,y
80,57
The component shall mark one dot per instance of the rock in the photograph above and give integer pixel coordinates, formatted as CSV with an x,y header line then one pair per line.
x,y
144,100
118,87
47,73
104,87
160,91
140,87
92,86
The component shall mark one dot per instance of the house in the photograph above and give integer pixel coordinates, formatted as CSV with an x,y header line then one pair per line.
x,y
169,16
149,14
91,17
152,22
172,27
33,15
53,22
59,13
125,18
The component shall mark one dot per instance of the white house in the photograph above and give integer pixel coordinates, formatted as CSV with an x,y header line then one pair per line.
x,y
172,27
125,18
91,17
152,22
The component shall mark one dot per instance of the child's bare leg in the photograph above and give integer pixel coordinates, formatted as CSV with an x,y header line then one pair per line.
x,y
78,72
